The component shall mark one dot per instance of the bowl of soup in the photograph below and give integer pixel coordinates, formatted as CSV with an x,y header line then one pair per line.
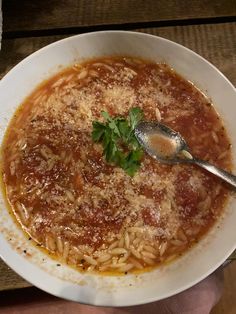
x,y
86,214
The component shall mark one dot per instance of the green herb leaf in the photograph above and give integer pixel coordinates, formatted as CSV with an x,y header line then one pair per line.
x,y
135,116
106,116
132,169
112,125
98,131
124,128
136,155
110,152
133,161
120,146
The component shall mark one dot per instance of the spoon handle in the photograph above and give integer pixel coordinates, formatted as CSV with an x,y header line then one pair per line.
x,y
226,176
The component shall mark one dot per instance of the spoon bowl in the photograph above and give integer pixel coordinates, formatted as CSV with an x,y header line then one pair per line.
x,y
168,146
148,135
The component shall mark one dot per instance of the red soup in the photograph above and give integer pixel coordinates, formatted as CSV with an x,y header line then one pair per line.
x,y
91,214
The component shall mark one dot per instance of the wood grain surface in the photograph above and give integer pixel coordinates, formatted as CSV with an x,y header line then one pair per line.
x,y
215,42
28,15
9,279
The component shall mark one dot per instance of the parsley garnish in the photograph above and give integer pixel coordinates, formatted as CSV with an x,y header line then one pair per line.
x,y
120,146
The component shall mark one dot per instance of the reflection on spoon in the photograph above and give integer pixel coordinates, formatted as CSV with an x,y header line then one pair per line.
x,y
168,146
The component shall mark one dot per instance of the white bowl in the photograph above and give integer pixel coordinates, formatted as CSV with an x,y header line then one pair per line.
x,y
38,268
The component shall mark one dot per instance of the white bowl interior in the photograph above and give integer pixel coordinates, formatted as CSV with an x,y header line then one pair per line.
x,y
63,281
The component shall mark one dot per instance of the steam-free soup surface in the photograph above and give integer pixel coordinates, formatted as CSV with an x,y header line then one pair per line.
x,y
162,145
89,213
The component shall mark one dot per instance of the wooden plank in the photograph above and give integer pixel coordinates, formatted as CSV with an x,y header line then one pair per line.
x,y
216,42
41,15
9,279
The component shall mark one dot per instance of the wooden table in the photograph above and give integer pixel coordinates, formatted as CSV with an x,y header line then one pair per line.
x,y
205,26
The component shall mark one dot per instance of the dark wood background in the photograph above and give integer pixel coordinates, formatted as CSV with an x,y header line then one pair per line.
x,y
208,27
66,14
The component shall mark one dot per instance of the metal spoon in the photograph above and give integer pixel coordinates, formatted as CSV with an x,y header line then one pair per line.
x,y
178,152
